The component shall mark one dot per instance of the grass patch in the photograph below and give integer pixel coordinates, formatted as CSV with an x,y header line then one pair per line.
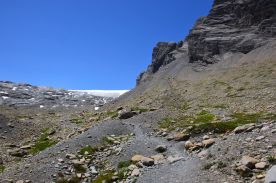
x,y
79,168
165,123
204,116
107,140
222,127
124,164
271,160
88,149
2,168
104,177
139,109
42,143
112,114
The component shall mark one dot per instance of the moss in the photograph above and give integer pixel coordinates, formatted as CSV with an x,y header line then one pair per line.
x,y
79,168
104,177
124,164
204,116
2,168
88,149
42,143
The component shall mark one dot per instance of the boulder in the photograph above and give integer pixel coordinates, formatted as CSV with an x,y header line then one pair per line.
x,y
125,114
181,137
135,172
17,152
136,158
161,148
243,128
188,145
261,165
249,161
147,161
208,143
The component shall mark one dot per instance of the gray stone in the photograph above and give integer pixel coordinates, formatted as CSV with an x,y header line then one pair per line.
x,y
271,175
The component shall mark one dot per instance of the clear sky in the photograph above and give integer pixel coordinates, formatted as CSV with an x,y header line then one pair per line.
x,y
88,44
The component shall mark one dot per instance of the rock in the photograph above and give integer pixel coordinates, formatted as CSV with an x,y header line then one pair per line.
x,y
78,162
188,145
206,137
17,152
26,147
208,143
261,165
172,159
159,158
10,125
271,175
260,176
93,170
248,161
1,161
132,167
124,114
79,175
20,181
161,148
136,158
147,161
244,171
60,160
160,56
135,172
70,156
243,128
181,137
260,138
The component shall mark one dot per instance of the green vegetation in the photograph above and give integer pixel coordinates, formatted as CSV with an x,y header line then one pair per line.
x,y
271,160
204,116
104,177
79,168
88,149
165,123
42,143
124,164
2,168
112,114
107,140
72,180
220,106
139,109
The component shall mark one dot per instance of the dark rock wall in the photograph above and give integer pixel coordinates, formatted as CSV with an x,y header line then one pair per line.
x,y
231,26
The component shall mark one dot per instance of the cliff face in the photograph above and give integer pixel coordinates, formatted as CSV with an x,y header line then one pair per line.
x,y
231,26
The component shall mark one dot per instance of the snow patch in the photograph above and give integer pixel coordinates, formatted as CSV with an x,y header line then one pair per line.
x,y
102,93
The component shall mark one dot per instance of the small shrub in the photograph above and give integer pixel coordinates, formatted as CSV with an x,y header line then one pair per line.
x,y
124,164
104,177
107,140
42,143
88,149
271,160
79,168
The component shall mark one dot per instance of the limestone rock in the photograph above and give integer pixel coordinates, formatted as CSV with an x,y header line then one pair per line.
x,y
271,175
136,158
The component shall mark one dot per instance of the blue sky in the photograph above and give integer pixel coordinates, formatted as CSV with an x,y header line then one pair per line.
x,y
88,44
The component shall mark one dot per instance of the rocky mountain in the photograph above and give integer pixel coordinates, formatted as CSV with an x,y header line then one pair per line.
x,y
204,111
237,26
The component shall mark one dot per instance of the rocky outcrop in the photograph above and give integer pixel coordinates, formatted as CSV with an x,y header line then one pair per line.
x,y
231,26
162,54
